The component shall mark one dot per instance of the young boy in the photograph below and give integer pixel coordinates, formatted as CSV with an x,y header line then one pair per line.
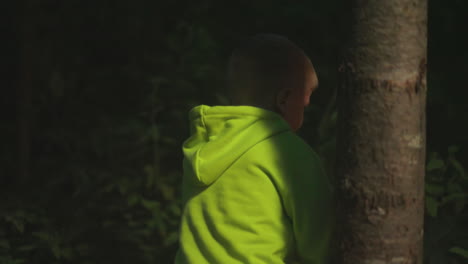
x,y
253,191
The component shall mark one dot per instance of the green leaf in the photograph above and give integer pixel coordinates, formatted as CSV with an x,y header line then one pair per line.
x,y
167,191
4,244
133,199
150,205
175,209
434,189
9,260
154,132
169,141
459,206
150,176
19,225
454,197
459,251
431,206
171,239
56,251
43,236
27,247
453,149
454,187
123,186
435,164
458,167
82,249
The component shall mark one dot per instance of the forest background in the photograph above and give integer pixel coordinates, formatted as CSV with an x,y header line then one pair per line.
x,y
94,109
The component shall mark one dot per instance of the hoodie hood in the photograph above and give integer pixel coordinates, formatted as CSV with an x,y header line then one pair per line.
x,y
222,134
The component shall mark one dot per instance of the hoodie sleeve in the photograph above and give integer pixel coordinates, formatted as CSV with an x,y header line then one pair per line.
x,y
309,206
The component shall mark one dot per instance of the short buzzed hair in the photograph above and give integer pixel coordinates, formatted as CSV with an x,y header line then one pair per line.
x,y
260,67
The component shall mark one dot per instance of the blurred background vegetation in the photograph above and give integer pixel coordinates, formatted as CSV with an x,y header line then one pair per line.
x,y
94,109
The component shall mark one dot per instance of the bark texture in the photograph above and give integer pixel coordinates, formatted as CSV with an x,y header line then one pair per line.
x,y
381,140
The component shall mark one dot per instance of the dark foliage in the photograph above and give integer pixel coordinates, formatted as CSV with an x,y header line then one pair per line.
x,y
111,83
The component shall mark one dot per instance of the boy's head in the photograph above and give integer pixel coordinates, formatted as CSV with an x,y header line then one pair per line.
x,y
270,72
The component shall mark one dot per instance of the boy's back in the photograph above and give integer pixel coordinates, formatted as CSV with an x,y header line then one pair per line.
x,y
253,191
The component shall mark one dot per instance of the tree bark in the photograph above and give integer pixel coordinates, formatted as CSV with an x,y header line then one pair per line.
x,y
381,140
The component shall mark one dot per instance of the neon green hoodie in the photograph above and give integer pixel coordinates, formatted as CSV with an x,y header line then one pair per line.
x,y
253,191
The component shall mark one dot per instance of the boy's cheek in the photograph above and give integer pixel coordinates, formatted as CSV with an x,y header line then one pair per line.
x,y
296,121
300,122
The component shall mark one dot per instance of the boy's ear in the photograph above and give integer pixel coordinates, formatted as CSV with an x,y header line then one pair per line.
x,y
281,99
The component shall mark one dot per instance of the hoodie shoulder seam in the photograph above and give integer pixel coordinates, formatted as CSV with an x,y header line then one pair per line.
x,y
247,150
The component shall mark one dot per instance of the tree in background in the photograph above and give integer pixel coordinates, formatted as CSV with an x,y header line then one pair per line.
x,y
381,138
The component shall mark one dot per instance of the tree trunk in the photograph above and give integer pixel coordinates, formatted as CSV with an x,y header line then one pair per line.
x,y
381,140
